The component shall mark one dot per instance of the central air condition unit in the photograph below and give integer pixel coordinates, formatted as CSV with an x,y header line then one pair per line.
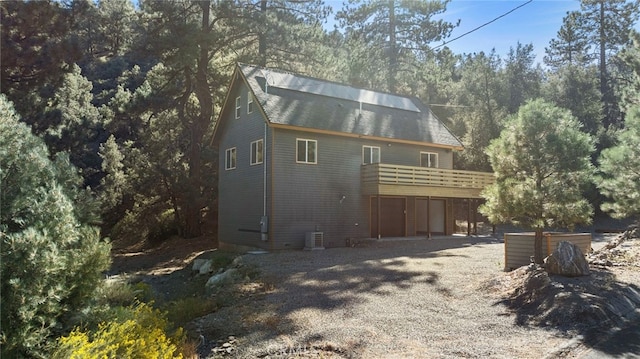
x,y
314,241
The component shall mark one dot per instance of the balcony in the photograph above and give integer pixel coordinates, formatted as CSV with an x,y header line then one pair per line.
x,y
385,179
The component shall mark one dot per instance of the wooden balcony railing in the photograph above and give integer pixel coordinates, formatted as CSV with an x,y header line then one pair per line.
x,y
385,174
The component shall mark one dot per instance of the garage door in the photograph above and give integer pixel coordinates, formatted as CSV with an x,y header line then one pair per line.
x,y
392,217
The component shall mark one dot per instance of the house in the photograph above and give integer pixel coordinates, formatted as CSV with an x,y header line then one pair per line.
x,y
305,158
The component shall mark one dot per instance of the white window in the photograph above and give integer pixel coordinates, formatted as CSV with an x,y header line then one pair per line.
x,y
370,154
428,159
256,152
306,151
230,159
249,102
238,107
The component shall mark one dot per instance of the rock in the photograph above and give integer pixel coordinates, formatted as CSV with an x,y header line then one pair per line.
x,y
237,262
221,278
206,267
197,264
567,260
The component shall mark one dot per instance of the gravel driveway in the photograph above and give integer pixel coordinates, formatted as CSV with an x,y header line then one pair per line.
x,y
393,299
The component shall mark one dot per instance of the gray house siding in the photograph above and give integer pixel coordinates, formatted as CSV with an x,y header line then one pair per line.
x,y
240,196
308,197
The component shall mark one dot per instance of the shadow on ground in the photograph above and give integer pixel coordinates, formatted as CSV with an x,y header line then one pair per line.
x,y
583,306
336,279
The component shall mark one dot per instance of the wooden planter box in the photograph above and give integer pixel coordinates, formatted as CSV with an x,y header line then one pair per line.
x,y
519,247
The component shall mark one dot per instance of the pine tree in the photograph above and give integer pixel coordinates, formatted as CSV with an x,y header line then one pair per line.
x,y
396,29
571,46
522,79
52,256
607,24
541,162
478,121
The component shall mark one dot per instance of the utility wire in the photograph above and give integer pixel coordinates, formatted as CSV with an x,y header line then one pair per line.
x,y
483,25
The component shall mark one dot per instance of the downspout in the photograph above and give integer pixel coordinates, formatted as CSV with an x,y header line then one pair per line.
x,y
264,221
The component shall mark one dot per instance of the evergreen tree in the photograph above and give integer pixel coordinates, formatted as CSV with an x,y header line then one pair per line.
x,y
72,121
576,89
522,79
478,120
287,32
619,178
607,24
396,29
36,47
571,47
52,256
620,170
541,162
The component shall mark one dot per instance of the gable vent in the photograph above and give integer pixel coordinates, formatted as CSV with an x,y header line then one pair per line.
x,y
314,241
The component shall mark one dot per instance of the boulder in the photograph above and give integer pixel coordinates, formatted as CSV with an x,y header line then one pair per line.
x,y
221,278
202,266
197,264
206,267
567,260
237,262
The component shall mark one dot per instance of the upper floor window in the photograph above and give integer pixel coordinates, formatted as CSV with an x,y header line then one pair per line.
x,y
256,152
230,159
249,102
306,151
238,107
370,154
428,159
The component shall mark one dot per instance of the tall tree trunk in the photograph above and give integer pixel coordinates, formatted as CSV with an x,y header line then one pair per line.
x,y
194,201
604,86
537,247
393,51
262,37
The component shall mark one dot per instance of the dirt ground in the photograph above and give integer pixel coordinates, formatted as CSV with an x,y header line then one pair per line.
x,y
441,298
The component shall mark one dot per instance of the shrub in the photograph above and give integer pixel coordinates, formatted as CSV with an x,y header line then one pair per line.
x,y
52,257
138,332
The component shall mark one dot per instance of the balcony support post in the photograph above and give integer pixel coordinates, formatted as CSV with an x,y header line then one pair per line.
x,y
475,216
429,217
378,215
468,217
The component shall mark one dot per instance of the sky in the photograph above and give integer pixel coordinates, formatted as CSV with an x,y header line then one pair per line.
x,y
535,23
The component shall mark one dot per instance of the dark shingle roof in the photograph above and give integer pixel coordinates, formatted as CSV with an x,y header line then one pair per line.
x,y
294,100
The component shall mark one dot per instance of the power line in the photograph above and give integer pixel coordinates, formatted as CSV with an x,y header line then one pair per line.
x,y
483,25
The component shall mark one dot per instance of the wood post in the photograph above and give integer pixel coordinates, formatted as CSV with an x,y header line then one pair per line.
x,y
468,217
429,217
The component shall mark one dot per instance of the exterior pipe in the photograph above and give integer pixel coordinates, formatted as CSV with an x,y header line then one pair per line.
x,y
264,235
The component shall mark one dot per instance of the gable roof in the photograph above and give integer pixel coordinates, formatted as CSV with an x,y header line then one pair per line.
x,y
294,100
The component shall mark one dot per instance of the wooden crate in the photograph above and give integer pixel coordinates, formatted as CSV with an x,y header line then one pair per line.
x,y
519,247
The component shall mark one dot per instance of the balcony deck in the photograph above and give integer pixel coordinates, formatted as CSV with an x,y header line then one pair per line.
x,y
385,179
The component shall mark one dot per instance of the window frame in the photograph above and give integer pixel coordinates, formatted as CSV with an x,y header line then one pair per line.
x,y
368,150
238,106
254,159
230,159
429,164
249,103
307,141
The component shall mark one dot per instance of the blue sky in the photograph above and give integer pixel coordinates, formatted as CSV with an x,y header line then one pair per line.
x,y
536,23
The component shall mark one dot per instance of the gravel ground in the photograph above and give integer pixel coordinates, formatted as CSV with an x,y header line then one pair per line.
x,y
392,299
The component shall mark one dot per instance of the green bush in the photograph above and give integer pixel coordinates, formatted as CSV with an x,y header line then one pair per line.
x,y
184,310
138,332
52,257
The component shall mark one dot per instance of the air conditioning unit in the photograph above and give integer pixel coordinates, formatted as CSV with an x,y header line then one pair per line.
x,y
314,241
